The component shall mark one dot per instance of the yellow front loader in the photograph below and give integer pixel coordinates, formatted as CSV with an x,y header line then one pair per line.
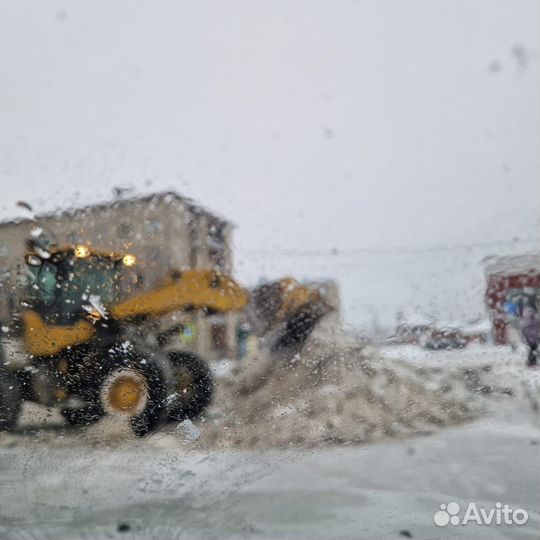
x,y
85,339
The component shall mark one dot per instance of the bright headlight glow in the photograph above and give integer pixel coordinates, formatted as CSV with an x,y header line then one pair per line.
x,y
81,252
129,259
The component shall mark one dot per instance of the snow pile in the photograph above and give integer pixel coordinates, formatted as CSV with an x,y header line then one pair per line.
x,y
333,393
340,394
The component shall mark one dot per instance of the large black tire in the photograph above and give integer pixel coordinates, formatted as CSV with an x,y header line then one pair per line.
x,y
121,365
86,367
10,400
83,416
193,386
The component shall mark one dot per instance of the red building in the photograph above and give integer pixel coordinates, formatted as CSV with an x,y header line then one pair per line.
x,y
511,281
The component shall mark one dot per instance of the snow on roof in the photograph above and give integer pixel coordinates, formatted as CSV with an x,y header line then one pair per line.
x,y
512,264
123,201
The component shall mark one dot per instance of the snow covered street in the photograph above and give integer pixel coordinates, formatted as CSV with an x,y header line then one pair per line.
x,y
374,490
152,489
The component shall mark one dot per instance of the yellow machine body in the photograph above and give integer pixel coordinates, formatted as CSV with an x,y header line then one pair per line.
x,y
41,339
190,289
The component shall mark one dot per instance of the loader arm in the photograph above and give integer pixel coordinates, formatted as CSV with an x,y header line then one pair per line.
x,y
195,289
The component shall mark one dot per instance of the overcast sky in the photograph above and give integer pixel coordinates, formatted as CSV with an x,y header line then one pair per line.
x,y
312,125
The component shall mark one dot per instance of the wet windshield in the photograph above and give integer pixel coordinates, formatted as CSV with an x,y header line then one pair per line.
x,y
269,269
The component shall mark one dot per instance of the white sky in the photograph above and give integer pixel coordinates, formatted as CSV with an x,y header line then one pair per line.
x,y
310,124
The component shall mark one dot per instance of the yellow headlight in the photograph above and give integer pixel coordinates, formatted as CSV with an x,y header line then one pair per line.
x,y
81,252
129,260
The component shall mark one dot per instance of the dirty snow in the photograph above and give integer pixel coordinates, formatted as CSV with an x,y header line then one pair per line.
x,y
351,394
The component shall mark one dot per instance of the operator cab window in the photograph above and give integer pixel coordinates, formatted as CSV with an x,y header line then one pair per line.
x,y
59,290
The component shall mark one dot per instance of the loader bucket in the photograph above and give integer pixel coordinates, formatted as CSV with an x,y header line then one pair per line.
x,y
299,326
286,312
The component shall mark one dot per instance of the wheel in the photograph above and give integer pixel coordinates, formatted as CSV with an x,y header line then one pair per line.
x,y
135,385
85,367
82,416
128,383
193,386
10,400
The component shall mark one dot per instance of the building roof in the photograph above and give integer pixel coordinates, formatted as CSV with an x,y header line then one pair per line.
x,y
511,265
123,201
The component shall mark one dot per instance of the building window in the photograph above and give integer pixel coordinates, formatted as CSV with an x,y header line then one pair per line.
x,y
218,333
154,255
74,238
216,254
125,231
153,226
217,248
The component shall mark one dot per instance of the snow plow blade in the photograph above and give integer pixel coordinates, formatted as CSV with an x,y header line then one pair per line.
x,y
299,327
286,313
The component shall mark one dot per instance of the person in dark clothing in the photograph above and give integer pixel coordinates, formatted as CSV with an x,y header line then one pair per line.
x,y
530,330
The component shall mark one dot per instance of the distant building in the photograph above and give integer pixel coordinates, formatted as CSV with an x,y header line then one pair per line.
x,y
512,282
164,231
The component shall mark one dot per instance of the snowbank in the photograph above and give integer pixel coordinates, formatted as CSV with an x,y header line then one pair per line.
x,y
335,393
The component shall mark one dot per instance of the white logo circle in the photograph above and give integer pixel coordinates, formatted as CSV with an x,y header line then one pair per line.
x,y
447,514
453,508
441,518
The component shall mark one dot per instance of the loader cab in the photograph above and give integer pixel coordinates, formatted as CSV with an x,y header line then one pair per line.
x,y
69,283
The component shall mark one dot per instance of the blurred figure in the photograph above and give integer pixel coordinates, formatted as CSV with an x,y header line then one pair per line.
x,y
243,331
530,330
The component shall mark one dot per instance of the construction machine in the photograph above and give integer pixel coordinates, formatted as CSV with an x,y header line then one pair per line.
x,y
86,340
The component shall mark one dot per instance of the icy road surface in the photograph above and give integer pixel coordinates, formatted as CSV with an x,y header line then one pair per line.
x,y
383,490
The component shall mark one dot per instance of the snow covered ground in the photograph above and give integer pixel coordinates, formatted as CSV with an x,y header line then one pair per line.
x,y
513,359
62,485
370,491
